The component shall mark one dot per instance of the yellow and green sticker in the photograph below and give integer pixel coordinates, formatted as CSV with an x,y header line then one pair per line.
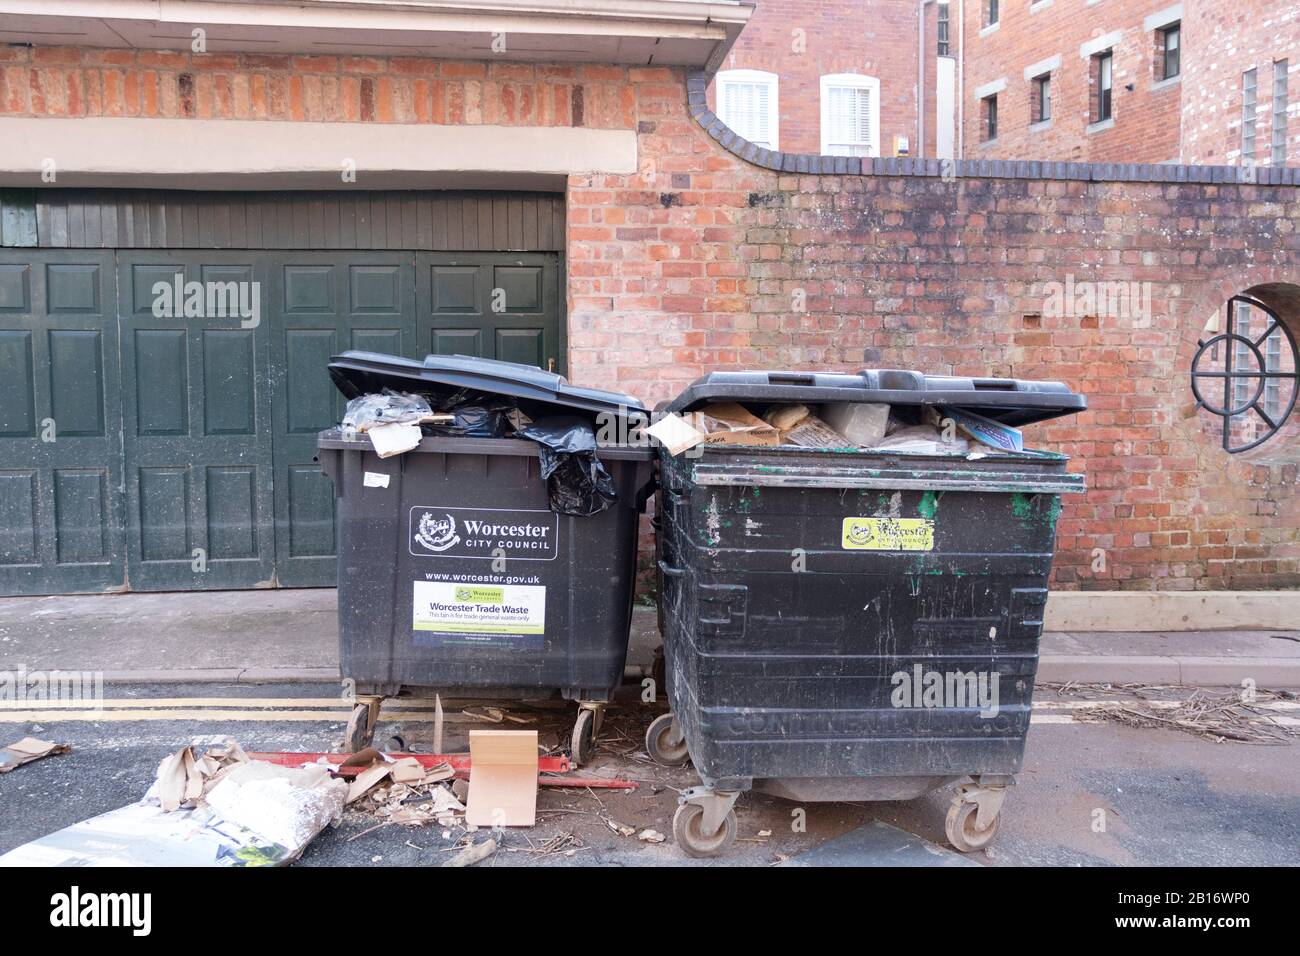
x,y
887,534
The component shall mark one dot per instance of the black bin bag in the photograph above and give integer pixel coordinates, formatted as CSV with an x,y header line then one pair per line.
x,y
576,481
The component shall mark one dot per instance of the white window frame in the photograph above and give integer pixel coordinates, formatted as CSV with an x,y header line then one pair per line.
x,y
855,81
773,103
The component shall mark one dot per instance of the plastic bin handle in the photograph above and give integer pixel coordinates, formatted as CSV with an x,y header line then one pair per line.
x,y
669,570
792,378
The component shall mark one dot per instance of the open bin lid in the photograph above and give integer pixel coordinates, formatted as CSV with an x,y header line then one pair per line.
x,y
1010,401
536,391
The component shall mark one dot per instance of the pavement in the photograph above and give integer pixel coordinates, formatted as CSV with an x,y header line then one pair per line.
x,y
1093,791
292,635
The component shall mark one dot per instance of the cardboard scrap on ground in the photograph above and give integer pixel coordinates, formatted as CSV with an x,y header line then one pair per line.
x,y
503,778
214,809
184,778
26,750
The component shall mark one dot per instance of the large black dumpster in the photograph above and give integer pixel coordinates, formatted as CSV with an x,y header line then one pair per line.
x,y
843,624
454,574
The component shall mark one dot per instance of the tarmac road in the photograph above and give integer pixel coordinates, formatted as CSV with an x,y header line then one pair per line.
x,y
1090,794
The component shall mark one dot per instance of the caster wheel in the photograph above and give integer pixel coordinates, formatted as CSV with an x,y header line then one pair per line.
x,y
963,831
359,734
583,745
687,831
657,744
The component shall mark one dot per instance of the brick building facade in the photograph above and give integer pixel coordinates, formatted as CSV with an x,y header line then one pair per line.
x,y
1178,78
712,254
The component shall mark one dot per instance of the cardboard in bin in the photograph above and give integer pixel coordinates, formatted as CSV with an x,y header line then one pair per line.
x,y
502,778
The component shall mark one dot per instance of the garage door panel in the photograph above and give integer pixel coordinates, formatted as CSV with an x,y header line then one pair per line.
x,y
60,513
72,288
527,346
322,304
81,515
229,382
17,386
76,358
200,386
377,340
161,397
164,496
310,403
311,514
18,526
15,288
232,512
375,289
456,341
521,289
185,451
308,289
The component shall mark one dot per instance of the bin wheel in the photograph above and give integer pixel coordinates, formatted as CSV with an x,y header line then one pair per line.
x,y
688,832
583,746
963,830
359,732
658,747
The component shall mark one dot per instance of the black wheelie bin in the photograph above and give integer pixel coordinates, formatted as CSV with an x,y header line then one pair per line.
x,y
853,624
455,576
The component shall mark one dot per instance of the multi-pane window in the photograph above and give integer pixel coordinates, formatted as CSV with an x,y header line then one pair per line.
x,y
1248,93
1242,359
942,31
1103,75
1171,42
1273,386
1041,105
990,109
747,102
991,12
1280,104
850,115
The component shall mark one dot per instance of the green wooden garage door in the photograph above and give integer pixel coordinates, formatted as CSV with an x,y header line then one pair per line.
x,y
153,453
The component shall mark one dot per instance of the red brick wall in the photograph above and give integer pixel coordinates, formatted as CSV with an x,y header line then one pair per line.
x,y
1147,126
875,37
1230,39
696,264
73,81
699,261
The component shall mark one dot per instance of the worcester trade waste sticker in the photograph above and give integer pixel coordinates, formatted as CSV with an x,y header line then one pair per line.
x,y
478,612
887,534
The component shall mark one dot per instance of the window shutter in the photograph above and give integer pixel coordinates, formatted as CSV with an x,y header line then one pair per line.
x,y
746,110
849,113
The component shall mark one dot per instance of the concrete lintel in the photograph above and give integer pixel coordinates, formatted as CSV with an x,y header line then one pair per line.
x,y
229,154
1163,18
1119,611
990,88
1049,65
1097,44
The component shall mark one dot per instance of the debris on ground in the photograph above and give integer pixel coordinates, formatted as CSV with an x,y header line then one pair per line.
x,y
651,836
27,750
218,808
1239,716
184,778
474,853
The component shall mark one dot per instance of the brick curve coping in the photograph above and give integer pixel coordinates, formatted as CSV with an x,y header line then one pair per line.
x,y
813,164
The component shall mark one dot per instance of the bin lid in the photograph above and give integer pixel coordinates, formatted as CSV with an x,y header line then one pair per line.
x,y
1007,400
537,391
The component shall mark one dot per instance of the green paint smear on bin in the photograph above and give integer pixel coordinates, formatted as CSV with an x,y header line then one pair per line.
x,y
1021,505
929,505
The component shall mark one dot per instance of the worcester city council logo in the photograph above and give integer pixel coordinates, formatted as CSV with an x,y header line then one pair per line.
x,y
437,534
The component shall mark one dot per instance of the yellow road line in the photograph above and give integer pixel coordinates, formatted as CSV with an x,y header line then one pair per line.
x,y
128,716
